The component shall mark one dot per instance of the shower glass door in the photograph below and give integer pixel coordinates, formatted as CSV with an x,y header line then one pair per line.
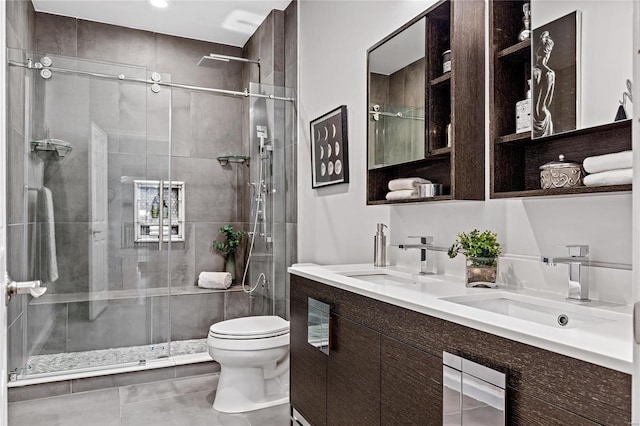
x,y
88,139
272,148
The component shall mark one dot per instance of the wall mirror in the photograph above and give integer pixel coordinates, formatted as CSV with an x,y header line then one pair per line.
x,y
602,56
396,97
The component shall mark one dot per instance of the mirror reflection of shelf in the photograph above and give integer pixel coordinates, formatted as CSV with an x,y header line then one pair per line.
x,y
150,205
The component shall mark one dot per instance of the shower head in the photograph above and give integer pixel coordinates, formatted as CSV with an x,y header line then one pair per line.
x,y
206,60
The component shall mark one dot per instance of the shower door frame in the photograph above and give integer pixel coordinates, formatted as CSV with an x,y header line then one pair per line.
x,y
3,218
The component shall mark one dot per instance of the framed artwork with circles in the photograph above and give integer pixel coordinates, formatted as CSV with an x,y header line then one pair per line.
x,y
329,148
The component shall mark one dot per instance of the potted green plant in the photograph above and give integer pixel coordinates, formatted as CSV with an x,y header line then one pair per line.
x,y
229,247
482,250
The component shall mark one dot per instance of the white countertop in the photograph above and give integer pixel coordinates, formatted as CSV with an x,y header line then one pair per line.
x,y
608,344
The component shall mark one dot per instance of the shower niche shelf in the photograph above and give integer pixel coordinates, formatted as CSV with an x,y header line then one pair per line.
x,y
169,212
226,159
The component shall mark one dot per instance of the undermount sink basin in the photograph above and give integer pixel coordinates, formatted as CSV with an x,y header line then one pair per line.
x,y
388,277
541,311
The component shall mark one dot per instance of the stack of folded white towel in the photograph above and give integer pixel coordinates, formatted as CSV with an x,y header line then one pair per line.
x,y
609,169
404,188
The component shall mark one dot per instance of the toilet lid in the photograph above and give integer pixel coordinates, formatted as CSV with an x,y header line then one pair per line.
x,y
250,327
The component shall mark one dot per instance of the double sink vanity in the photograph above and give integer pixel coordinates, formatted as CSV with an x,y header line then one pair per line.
x,y
563,362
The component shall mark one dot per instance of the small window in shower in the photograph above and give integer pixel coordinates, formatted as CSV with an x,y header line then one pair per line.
x,y
158,215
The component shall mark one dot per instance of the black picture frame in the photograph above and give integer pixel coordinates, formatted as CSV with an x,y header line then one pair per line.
x,y
562,114
330,148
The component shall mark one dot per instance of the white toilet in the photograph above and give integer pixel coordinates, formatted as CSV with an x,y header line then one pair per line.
x,y
253,353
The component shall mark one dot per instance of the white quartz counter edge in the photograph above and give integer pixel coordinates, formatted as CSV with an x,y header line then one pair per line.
x,y
608,345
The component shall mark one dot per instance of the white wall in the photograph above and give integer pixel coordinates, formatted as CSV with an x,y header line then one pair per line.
x,y
336,226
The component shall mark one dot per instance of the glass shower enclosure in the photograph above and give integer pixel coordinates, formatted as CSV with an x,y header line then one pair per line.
x,y
103,218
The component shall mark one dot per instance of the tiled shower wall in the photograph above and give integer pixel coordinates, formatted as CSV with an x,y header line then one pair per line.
x,y
275,44
202,128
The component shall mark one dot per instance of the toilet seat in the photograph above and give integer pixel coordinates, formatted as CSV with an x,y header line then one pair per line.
x,y
250,328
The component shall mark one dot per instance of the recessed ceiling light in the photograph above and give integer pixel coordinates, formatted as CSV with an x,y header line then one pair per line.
x,y
159,3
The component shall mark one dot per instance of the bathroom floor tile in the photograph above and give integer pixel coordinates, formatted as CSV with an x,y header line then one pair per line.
x,y
190,409
167,388
97,408
180,402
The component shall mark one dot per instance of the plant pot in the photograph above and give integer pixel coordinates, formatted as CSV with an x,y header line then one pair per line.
x,y
230,266
481,272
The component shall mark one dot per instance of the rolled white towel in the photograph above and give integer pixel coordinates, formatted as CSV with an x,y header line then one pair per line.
x,y
611,177
217,280
406,183
405,194
602,163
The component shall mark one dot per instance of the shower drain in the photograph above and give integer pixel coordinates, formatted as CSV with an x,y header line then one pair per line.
x,y
563,320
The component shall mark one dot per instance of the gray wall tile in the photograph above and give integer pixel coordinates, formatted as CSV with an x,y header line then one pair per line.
x,y
47,328
117,380
16,264
210,139
181,123
16,93
56,35
291,36
197,369
15,178
21,19
180,57
72,242
210,189
112,43
42,390
125,322
191,314
16,355
236,304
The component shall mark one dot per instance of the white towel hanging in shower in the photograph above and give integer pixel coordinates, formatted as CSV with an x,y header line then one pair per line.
x,y
48,257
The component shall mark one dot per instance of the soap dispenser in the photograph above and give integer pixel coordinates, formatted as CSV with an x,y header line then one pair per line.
x,y
380,246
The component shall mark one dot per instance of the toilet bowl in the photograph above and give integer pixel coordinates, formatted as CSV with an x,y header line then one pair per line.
x,y
253,353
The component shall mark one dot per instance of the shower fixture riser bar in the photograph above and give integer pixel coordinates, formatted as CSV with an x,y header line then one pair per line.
x,y
121,77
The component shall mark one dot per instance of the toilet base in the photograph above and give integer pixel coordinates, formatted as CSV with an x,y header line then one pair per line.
x,y
245,389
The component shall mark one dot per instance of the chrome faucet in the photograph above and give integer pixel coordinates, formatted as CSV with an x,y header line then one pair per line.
x,y
427,264
578,274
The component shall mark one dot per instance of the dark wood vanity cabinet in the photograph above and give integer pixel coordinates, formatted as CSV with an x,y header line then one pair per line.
x,y
385,367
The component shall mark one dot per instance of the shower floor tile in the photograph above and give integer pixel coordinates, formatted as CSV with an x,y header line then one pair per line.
x,y
51,363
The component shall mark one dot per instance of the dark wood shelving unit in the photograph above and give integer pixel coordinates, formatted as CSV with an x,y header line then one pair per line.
x,y
516,157
455,97
517,52
443,79
514,137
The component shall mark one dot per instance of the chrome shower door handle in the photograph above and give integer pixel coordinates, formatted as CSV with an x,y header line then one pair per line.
x,y
32,287
161,215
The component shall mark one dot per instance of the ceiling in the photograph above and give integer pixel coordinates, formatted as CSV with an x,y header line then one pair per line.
x,y
221,21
